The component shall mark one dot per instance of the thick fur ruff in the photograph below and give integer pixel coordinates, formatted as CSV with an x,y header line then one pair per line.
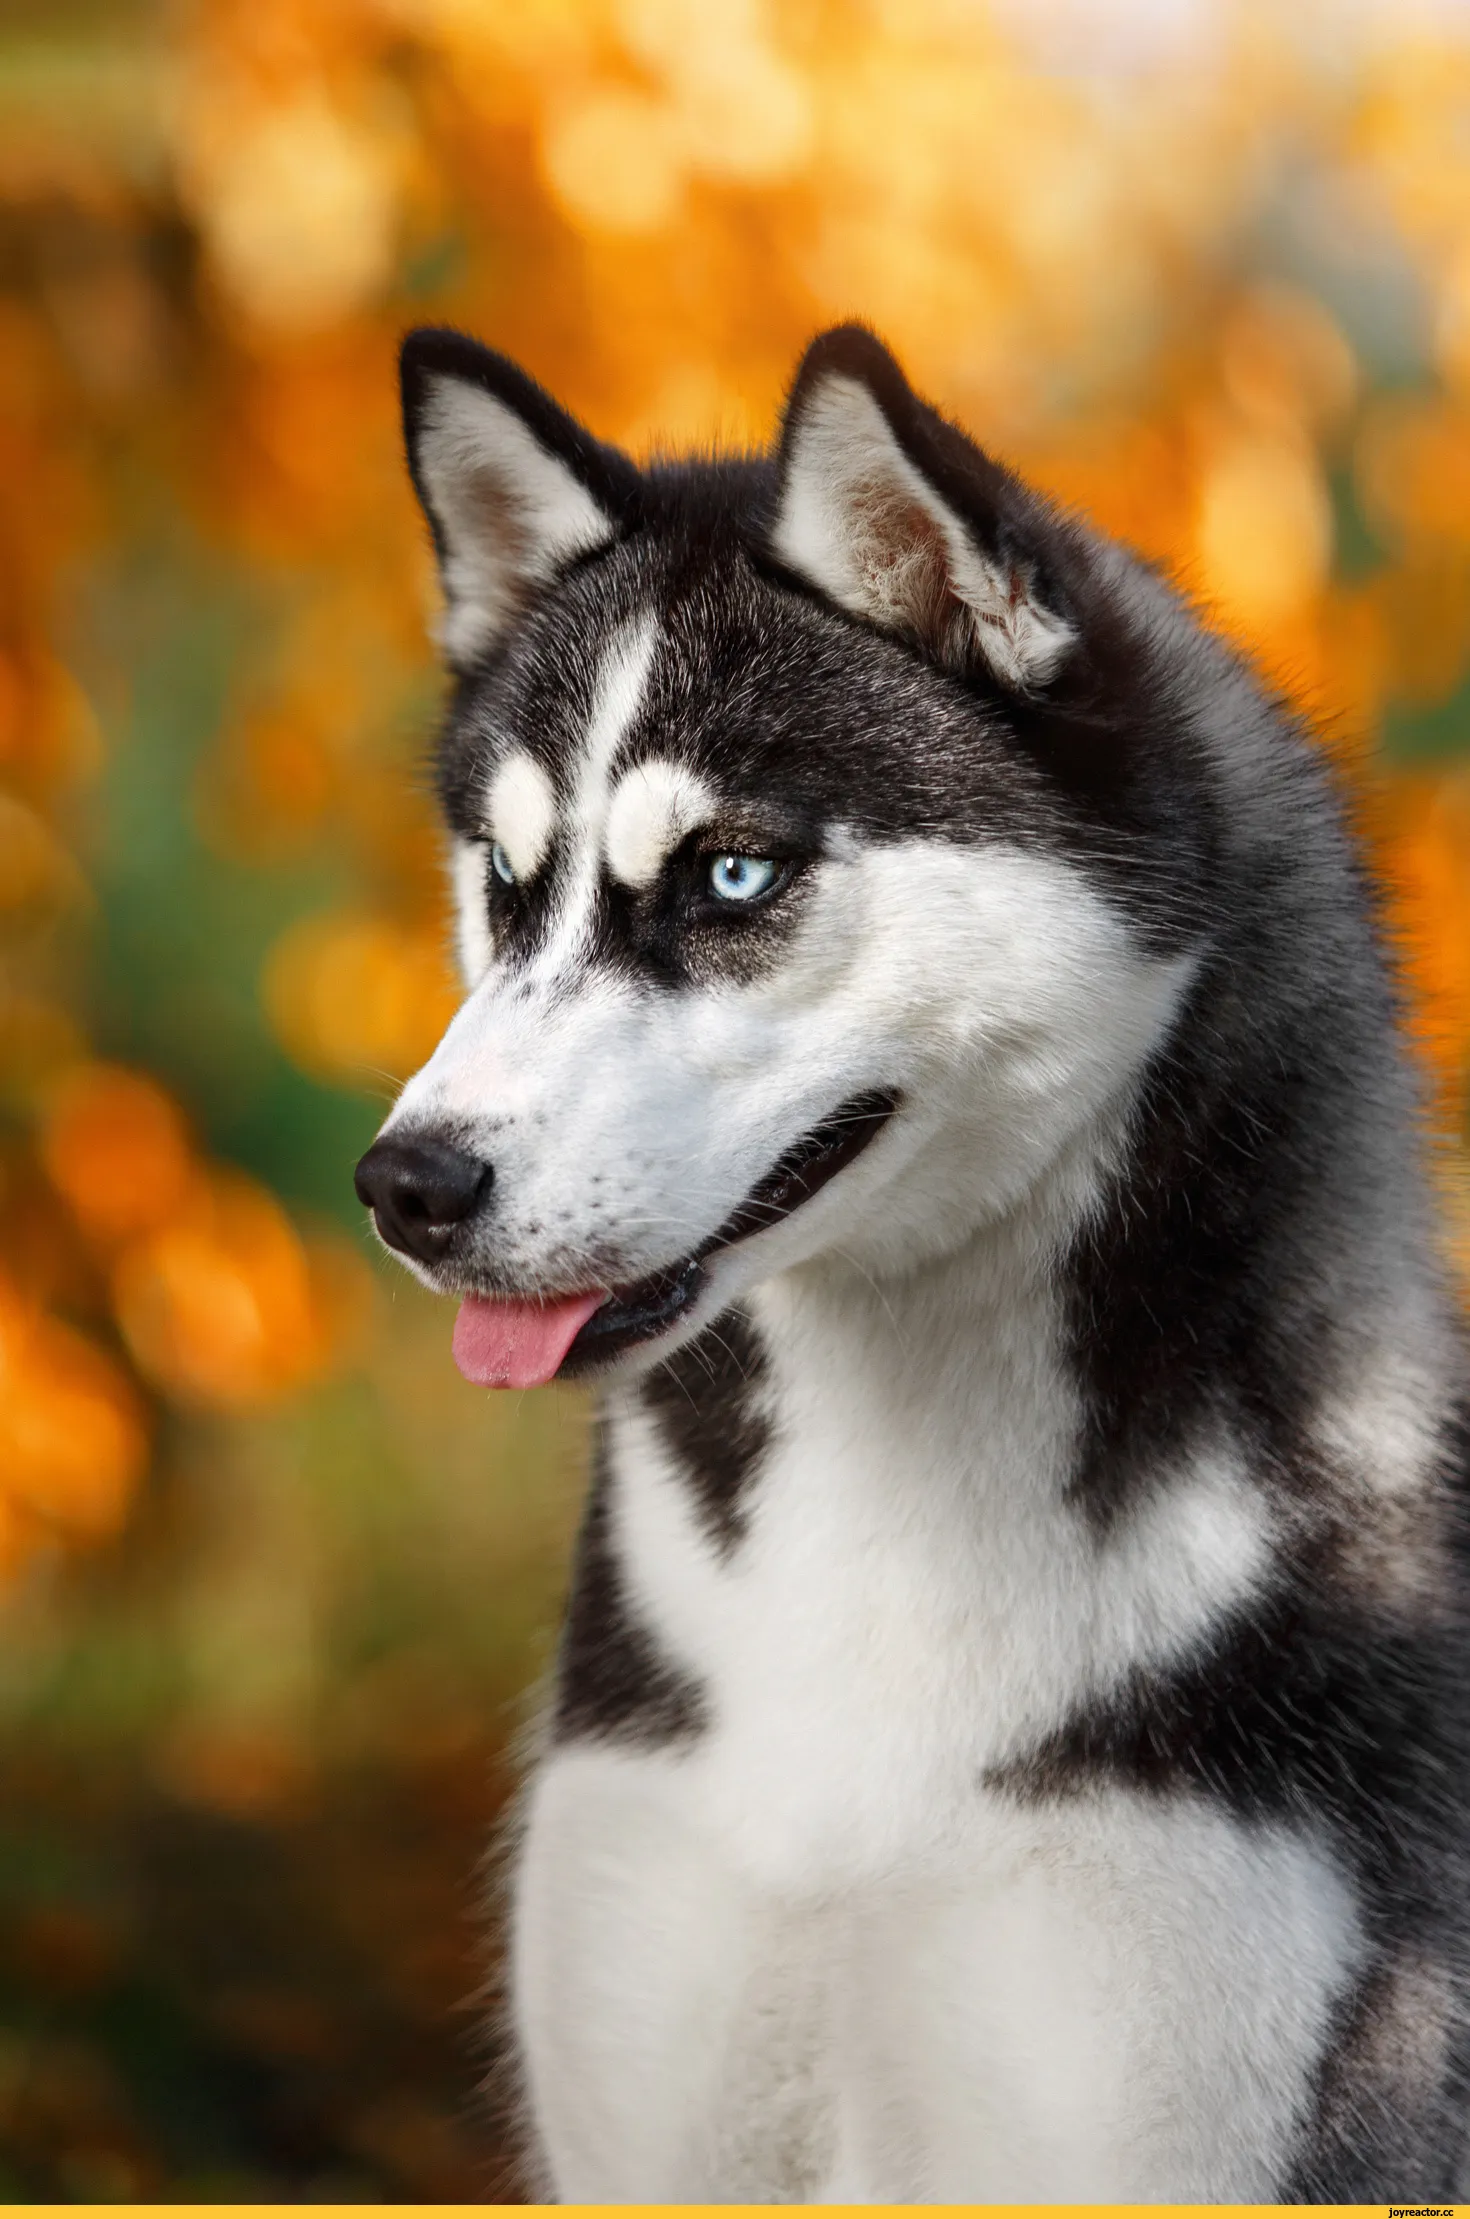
x,y
1009,1736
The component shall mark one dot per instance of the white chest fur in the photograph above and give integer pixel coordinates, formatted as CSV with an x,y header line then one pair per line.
x,y
916,1597
809,1955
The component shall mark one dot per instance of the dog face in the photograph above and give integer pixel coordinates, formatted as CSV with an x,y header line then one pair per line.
x,y
818,887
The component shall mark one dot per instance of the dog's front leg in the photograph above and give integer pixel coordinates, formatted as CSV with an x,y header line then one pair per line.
x,y
665,2057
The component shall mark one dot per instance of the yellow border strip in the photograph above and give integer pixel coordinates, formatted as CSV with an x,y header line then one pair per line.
x,y
476,2211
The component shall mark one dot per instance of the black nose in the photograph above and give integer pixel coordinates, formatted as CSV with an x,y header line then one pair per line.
x,y
419,1190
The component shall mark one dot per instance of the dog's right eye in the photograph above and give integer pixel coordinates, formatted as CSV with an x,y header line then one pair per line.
x,y
739,878
501,865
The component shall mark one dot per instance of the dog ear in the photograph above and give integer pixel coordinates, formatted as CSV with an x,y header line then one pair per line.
x,y
513,487
899,518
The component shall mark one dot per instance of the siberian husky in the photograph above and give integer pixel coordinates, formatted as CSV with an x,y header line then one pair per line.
x,y
929,1055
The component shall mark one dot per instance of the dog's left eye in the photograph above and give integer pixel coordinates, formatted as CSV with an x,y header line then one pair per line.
x,y
742,877
501,865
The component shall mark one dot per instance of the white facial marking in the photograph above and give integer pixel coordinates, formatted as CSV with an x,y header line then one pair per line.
x,y
995,988
521,812
467,862
656,805
511,514
860,521
620,688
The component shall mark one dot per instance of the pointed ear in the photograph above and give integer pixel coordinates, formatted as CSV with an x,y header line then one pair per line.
x,y
512,486
896,516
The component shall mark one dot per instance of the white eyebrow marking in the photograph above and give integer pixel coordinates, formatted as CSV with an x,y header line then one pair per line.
x,y
522,813
619,696
656,804
468,860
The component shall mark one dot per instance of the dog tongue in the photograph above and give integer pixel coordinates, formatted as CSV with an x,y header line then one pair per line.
x,y
518,1344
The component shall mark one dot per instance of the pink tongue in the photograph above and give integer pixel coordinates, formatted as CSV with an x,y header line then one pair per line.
x,y
518,1344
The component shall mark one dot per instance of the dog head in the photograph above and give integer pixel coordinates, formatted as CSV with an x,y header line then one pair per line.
x,y
829,848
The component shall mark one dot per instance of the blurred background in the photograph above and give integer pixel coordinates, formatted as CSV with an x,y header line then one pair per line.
x,y
273,1580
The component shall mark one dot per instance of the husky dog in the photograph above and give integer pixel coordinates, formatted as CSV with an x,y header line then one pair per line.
x,y
929,1055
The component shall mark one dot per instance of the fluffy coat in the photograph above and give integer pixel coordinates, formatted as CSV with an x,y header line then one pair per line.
x,y
1009,1735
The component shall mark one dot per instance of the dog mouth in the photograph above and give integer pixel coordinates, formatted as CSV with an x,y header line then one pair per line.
x,y
650,1306
519,1344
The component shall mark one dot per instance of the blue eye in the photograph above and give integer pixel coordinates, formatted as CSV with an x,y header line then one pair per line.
x,y
742,877
500,864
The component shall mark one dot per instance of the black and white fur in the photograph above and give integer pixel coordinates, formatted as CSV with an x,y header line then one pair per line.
x,y
1009,1739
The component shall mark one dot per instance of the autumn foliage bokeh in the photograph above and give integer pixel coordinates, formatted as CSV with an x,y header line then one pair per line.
x,y
1204,272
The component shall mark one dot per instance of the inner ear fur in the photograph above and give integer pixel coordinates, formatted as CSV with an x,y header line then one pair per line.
x,y
513,487
900,519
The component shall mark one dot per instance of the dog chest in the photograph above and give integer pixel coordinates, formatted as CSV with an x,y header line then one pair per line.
x,y
908,1596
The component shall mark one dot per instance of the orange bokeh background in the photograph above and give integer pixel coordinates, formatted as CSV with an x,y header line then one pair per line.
x,y
1203,270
